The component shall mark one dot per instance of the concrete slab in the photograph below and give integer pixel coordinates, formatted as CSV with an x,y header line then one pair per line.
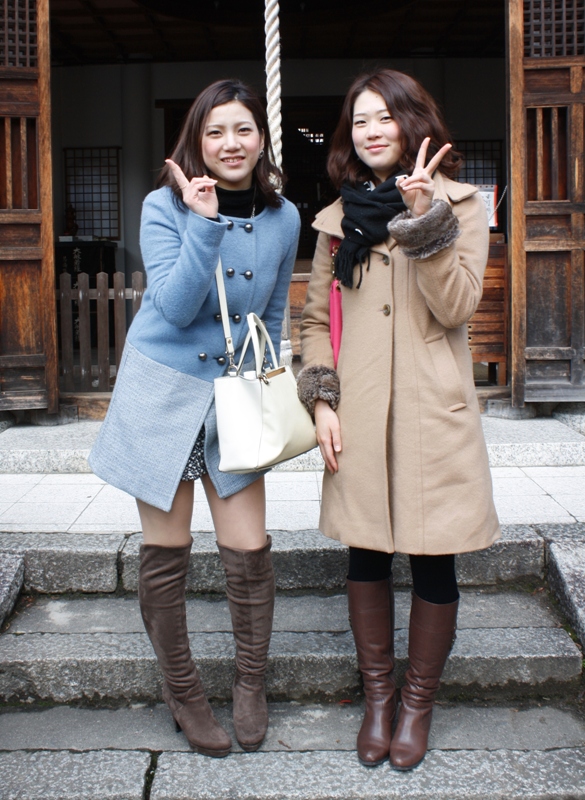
x,y
11,582
473,775
295,614
294,727
302,666
566,574
100,775
59,563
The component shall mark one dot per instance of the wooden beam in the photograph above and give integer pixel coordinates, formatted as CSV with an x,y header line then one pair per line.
x,y
102,24
66,43
168,50
455,21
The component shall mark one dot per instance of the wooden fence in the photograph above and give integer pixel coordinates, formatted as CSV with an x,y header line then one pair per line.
x,y
82,303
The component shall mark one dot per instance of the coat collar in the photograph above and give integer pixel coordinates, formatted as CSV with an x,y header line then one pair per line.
x,y
328,220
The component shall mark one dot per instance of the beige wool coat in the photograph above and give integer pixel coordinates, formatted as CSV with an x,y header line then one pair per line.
x,y
413,473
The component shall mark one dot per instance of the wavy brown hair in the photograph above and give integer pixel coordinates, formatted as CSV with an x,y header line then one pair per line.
x,y
414,110
188,152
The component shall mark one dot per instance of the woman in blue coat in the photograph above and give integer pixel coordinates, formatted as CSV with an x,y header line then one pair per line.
x,y
217,198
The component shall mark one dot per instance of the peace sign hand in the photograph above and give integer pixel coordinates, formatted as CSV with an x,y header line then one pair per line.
x,y
417,190
198,193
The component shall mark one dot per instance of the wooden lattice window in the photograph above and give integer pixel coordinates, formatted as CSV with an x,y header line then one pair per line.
x,y
92,184
547,154
554,28
484,166
18,33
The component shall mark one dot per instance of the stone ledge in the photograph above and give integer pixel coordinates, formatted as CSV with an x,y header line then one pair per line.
x,y
11,582
65,562
566,575
96,775
475,775
69,667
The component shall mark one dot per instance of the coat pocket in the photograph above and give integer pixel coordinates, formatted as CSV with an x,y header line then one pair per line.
x,y
447,371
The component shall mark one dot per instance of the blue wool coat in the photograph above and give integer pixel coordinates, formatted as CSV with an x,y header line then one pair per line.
x,y
176,347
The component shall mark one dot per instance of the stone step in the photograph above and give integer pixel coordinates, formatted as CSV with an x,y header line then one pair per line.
x,y
65,650
475,752
303,560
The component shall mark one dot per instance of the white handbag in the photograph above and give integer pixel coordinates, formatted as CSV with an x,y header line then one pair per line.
x,y
260,419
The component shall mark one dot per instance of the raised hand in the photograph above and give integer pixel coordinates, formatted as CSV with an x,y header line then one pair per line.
x,y
198,193
418,189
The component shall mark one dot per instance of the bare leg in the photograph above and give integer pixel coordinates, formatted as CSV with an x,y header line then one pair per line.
x,y
240,520
169,528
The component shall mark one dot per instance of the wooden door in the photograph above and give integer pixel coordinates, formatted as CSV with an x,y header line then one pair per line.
x,y
547,100
28,343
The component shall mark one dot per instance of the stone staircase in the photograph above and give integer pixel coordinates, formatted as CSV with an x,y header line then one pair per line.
x,y
82,716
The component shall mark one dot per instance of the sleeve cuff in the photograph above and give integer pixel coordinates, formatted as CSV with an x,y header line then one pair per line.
x,y
421,237
318,383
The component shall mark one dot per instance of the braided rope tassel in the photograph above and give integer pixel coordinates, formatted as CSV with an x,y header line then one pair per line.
x,y
272,31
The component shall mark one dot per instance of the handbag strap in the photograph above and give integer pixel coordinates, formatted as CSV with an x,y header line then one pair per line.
x,y
225,319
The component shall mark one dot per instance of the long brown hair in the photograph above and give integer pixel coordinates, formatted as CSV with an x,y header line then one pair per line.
x,y
188,153
414,110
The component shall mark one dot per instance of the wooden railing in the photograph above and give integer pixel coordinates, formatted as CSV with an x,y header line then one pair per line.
x,y
80,303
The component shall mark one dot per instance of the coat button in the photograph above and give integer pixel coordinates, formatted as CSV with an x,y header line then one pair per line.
x,y
230,272
386,260
386,310
230,224
221,360
202,356
217,317
237,318
248,274
248,227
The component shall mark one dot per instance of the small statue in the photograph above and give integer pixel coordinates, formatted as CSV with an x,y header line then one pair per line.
x,y
71,226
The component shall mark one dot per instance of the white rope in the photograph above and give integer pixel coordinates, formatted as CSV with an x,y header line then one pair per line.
x,y
273,78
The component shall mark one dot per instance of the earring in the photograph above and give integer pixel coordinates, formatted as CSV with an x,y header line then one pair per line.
x,y
261,154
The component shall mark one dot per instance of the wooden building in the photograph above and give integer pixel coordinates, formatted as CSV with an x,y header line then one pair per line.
x,y
92,93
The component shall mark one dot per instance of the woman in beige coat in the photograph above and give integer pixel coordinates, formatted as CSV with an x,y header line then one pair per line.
x,y
397,418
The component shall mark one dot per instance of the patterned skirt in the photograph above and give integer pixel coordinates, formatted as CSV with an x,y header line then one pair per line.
x,y
196,466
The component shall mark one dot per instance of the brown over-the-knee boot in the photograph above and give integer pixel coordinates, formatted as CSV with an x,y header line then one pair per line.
x,y
250,593
161,592
371,614
431,636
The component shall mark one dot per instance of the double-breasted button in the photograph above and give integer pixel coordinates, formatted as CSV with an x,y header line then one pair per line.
x,y
248,274
230,224
386,310
217,317
202,356
237,318
386,260
230,272
248,227
221,360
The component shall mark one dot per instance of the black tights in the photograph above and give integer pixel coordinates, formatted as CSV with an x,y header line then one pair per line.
x,y
433,577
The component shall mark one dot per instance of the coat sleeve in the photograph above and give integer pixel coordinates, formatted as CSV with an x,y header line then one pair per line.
x,y
274,313
451,278
318,379
180,270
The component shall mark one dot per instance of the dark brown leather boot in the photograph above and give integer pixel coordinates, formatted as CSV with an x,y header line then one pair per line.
x,y
161,592
371,613
431,636
250,593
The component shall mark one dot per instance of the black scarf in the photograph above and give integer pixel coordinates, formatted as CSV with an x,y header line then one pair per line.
x,y
367,213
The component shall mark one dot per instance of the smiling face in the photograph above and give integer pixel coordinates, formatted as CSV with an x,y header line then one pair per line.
x,y
231,145
375,135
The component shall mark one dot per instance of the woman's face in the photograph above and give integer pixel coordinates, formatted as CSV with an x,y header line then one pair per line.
x,y
376,136
231,145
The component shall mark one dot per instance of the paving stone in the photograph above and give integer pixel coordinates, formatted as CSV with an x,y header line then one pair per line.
x,y
294,727
302,560
499,775
296,614
100,775
562,533
11,581
30,448
302,666
66,562
566,575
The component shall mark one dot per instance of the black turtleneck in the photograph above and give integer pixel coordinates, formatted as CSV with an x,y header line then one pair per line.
x,y
240,202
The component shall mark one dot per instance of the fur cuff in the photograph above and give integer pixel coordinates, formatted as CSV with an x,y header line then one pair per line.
x,y
318,383
421,237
